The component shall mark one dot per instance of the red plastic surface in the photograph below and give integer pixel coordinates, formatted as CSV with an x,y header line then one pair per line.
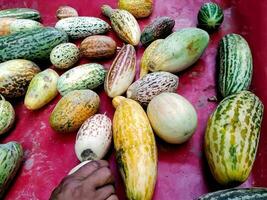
x,y
182,169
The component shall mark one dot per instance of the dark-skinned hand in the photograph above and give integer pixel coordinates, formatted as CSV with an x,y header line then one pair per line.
x,y
92,181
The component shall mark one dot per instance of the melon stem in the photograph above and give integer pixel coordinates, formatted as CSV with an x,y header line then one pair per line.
x,y
107,10
117,101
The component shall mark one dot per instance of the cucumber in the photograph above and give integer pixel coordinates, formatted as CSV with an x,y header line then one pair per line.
x,y
210,16
81,27
31,45
235,63
20,13
232,137
11,155
237,194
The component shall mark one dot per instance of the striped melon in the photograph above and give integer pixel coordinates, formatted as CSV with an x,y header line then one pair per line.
x,y
20,13
232,137
121,73
124,24
210,16
86,76
237,194
31,45
235,62
11,155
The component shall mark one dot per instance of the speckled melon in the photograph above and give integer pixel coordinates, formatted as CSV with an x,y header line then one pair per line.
x,y
42,89
81,27
12,25
7,115
94,138
87,76
64,55
15,76
138,8
73,109
151,85
66,11
24,25
98,46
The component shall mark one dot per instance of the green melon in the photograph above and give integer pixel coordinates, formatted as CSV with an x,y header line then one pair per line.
x,y
210,16
232,137
235,65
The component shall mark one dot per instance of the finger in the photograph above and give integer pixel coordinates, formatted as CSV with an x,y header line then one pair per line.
x,y
105,192
113,197
54,194
77,167
100,177
89,168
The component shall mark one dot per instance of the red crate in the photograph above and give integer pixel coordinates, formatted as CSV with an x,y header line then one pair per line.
x,y
182,171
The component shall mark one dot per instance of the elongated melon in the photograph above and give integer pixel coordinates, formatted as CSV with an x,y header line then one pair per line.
x,y
237,194
136,150
124,24
235,62
20,13
178,51
11,155
31,45
86,76
232,137
81,27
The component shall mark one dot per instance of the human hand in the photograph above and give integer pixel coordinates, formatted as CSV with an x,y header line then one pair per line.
x,y
92,181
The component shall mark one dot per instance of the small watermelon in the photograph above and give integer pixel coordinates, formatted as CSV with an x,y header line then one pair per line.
x,y
210,16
